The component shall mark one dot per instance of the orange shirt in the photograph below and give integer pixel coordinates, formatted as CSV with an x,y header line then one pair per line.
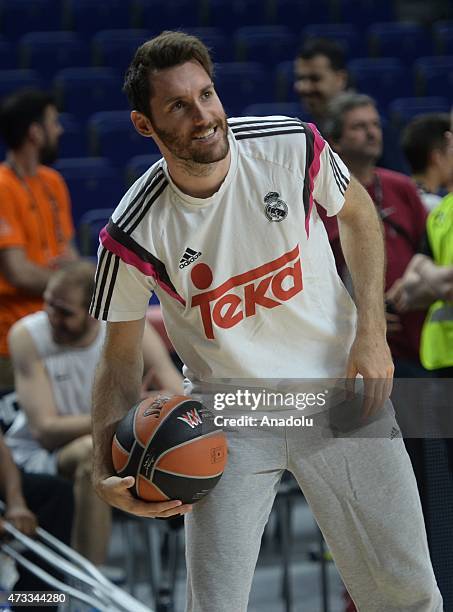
x,y
35,215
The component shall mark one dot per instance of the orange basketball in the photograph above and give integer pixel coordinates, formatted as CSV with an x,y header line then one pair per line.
x,y
172,448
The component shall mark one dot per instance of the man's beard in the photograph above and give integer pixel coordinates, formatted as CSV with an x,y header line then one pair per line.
x,y
48,153
65,336
185,149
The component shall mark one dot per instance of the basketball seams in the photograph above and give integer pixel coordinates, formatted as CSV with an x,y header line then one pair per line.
x,y
118,443
130,454
154,434
140,478
169,450
153,463
188,476
136,438
156,429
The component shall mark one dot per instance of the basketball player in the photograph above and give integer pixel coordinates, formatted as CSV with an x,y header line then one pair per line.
x,y
55,352
262,299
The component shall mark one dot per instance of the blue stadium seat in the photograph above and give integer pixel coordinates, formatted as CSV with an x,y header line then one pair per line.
x,y
112,135
220,46
89,227
294,13
434,76
84,91
267,44
228,14
11,80
284,82
239,84
8,59
89,16
17,17
382,78
402,110
92,183
443,37
73,142
48,52
364,12
139,164
404,40
289,109
346,34
177,14
116,48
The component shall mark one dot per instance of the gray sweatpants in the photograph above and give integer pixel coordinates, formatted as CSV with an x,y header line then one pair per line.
x,y
363,494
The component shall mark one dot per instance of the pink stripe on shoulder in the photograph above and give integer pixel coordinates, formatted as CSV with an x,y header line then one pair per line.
x,y
133,259
318,147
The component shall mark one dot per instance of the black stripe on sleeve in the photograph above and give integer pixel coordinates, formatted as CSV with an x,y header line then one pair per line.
x,y
340,185
146,208
138,197
266,134
112,282
340,179
131,212
309,156
97,276
337,165
266,126
97,310
127,241
251,122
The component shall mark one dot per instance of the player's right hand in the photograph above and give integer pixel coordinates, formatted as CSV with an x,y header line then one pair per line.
x,y
115,491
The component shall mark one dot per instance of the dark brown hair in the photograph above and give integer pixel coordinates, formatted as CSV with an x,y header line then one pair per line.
x,y
167,50
421,136
19,111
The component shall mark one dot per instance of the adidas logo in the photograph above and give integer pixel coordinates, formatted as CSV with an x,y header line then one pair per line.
x,y
189,257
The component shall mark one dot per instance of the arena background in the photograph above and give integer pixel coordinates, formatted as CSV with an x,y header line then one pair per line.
x,y
400,52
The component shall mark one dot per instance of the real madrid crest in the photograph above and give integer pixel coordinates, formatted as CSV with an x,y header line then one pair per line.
x,y
276,209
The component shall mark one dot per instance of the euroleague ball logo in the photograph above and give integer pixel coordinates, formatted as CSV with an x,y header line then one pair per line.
x,y
276,209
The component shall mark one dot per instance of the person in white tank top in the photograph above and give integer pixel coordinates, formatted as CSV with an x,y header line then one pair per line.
x,y
55,353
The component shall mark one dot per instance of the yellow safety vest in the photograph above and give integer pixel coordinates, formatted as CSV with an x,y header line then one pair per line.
x,y
436,346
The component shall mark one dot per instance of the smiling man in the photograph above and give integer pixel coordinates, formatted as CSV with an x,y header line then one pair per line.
x,y
262,300
319,75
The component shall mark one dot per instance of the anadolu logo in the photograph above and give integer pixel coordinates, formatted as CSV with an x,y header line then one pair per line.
x,y
268,286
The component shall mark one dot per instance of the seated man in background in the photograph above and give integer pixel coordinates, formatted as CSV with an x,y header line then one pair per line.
x,y
35,212
426,143
32,500
55,353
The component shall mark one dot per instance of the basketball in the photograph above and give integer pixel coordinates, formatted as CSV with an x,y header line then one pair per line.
x,y
171,447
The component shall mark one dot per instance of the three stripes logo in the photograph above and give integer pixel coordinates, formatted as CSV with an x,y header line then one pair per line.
x,y
192,418
189,257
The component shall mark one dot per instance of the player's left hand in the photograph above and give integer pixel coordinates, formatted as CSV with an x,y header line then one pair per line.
x,y
370,357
